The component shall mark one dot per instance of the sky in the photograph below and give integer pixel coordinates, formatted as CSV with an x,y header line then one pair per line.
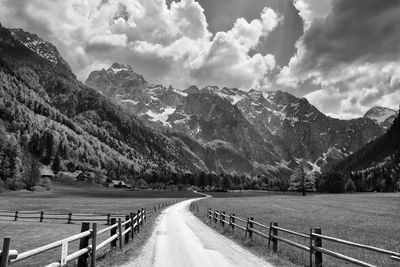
x,y
342,55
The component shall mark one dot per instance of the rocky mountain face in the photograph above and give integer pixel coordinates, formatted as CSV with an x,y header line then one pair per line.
x,y
119,80
382,116
270,129
220,136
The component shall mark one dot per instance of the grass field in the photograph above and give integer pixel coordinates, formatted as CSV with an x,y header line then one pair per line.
x,y
27,234
370,218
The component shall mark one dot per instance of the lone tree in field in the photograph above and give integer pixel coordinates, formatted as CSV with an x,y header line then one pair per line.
x,y
301,180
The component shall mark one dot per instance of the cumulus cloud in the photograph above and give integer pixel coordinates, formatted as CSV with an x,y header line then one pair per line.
x,y
350,46
169,45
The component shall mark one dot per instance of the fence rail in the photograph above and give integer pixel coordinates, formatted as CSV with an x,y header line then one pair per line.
x,y
314,239
69,217
120,231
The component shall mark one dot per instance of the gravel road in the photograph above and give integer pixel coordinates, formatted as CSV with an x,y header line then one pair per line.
x,y
180,239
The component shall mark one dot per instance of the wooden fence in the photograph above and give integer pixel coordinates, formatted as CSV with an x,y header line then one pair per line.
x,y
120,232
68,217
313,239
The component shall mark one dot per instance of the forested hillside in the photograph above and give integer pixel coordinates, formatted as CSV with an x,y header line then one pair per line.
x,y
48,116
374,167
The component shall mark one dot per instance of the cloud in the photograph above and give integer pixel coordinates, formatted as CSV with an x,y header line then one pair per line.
x,y
349,45
169,45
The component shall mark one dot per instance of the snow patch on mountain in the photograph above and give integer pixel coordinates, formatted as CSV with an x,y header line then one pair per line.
x,y
162,117
117,67
130,101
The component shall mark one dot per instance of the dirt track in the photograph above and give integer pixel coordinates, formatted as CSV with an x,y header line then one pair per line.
x,y
180,239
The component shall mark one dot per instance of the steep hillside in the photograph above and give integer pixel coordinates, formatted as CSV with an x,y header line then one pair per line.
x,y
47,112
374,167
379,152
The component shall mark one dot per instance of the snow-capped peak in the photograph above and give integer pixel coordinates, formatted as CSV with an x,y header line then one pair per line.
x,y
116,67
379,114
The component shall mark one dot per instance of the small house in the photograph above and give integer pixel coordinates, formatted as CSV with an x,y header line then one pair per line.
x,y
46,172
115,183
69,175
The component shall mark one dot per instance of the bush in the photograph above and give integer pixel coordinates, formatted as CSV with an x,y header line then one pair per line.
x,y
2,186
15,184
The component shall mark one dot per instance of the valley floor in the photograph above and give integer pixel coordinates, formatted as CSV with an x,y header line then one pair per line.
x,y
368,218
83,198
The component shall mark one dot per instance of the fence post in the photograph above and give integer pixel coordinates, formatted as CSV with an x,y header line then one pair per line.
x,y
274,240
120,233
141,217
5,252
126,227
113,232
94,245
41,216
16,215
311,247
69,217
83,243
233,220
137,222
108,218
251,227
318,243
223,219
132,224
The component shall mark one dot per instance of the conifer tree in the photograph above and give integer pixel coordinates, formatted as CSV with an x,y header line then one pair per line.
x,y
56,167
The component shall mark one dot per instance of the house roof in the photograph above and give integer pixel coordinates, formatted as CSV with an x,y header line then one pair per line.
x,y
72,175
45,171
118,182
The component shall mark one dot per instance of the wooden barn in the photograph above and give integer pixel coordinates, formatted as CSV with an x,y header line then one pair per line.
x,y
115,183
46,172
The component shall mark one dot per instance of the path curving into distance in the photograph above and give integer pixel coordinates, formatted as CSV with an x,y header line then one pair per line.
x,y
180,239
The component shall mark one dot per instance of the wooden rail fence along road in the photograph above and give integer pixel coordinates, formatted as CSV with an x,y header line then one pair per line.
x,y
120,232
68,217
313,239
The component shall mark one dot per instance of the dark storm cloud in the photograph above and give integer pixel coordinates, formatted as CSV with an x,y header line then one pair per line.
x,y
356,30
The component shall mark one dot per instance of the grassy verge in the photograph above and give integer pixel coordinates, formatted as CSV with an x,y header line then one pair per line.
x,y
118,257
371,219
27,234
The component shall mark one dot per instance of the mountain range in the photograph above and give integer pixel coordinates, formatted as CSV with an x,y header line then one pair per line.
x,y
118,120
270,127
